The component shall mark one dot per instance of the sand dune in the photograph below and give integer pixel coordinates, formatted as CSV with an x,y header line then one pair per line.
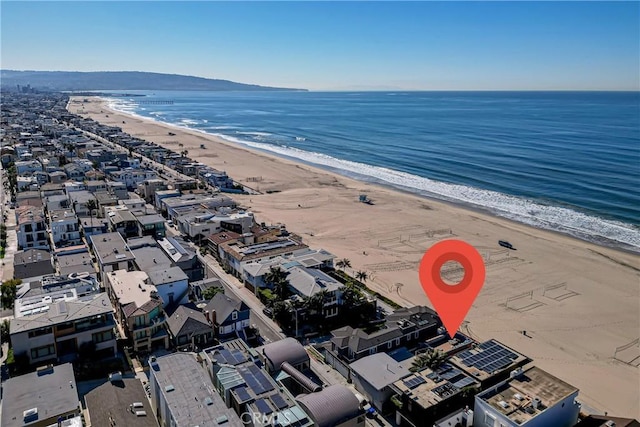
x,y
577,301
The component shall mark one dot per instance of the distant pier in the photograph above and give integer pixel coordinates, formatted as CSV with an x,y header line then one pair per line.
x,y
149,102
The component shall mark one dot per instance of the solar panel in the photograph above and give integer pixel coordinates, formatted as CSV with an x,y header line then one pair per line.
x,y
279,402
464,382
414,382
238,357
263,406
447,375
243,394
485,345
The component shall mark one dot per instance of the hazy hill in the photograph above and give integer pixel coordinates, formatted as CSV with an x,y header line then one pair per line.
x,y
120,80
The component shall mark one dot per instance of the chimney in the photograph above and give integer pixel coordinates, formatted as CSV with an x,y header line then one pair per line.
x,y
206,315
213,317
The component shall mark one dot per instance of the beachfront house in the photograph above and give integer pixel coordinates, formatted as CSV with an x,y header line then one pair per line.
x,y
530,398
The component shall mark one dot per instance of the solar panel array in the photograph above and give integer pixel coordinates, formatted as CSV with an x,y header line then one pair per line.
x,y
234,357
279,402
256,380
243,394
488,357
263,407
414,382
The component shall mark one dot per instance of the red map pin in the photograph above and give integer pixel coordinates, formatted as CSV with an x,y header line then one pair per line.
x,y
452,302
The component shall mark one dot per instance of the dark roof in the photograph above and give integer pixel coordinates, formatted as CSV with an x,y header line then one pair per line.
x,y
31,255
163,276
112,400
224,305
223,236
358,340
331,406
601,420
185,387
53,392
285,350
186,321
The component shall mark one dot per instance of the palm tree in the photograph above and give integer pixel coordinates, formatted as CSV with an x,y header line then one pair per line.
x,y
351,296
277,278
315,303
362,276
91,206
430,359
343,263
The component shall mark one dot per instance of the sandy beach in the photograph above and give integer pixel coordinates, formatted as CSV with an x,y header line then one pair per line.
x,y
578,302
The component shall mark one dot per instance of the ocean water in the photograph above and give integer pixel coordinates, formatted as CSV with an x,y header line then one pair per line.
x,y
564,161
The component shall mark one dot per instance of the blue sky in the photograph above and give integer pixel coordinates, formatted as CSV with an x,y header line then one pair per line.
x,y
337,45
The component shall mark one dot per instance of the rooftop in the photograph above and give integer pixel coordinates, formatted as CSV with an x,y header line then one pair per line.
x,y
331,406
111,401
30,256
66,309
166,275
29,214
259,250
131,287
176,248
224,305
310,281
62,215
75,263
285,350
111,248
380,370
185,321
150,257
524,396
487,359
52,392
431,386
189,393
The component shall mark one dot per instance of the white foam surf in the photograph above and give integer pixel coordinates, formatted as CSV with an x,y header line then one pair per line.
x,y
520,209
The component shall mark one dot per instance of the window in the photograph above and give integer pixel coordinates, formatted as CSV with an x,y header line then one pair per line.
x,y
389,344
234,315
40,332
99,337
43,351
489,420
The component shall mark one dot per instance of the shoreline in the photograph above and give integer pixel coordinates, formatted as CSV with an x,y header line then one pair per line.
x,y
556,228
577,300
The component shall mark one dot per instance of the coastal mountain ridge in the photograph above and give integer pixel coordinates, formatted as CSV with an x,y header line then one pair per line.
x,y
123,80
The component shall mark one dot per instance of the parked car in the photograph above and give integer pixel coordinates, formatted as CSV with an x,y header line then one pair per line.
x,y
267,312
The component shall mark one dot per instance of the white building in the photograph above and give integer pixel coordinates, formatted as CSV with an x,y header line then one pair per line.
x,y
172,285
205,223
531,398
32,228
132,177
64,228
